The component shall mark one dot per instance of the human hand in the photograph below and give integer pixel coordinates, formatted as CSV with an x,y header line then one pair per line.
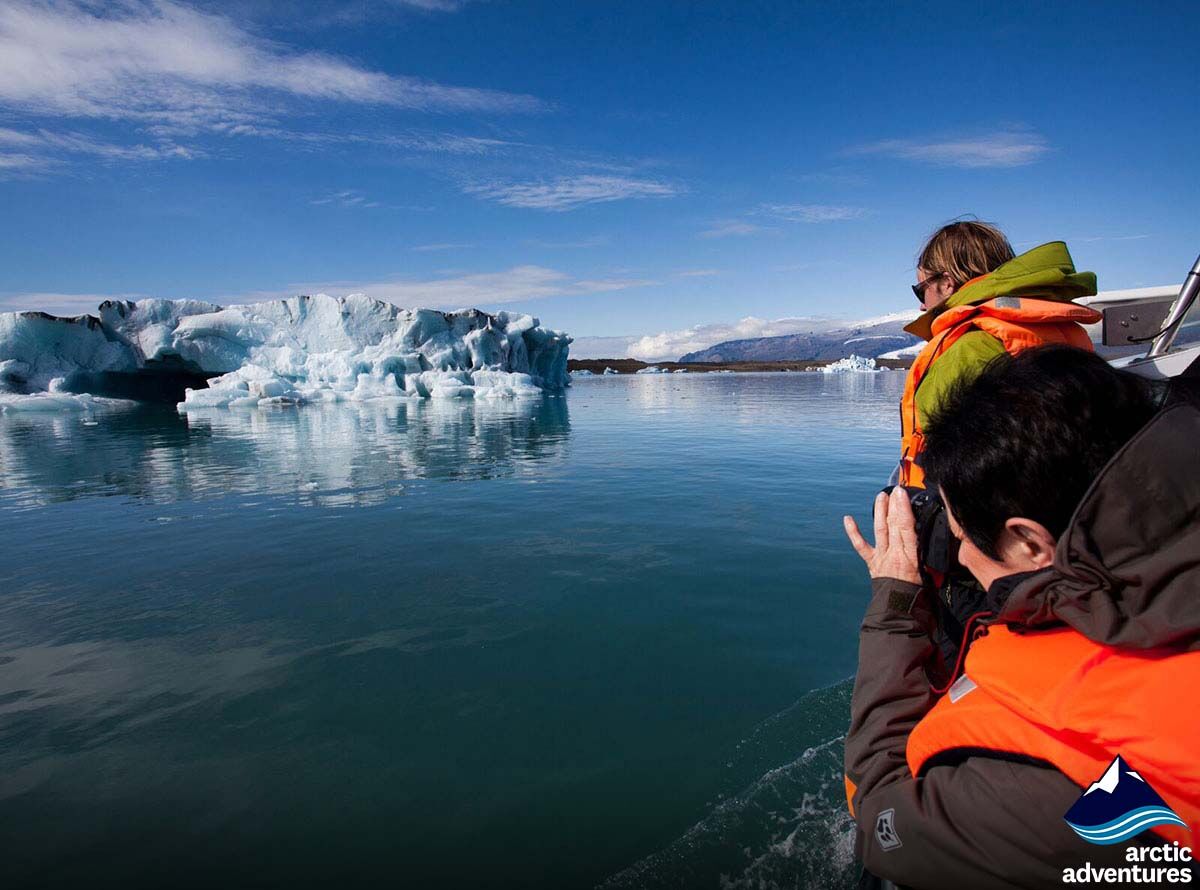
x,y
895,552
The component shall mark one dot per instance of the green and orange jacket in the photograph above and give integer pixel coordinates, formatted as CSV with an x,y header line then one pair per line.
x,y
1026,302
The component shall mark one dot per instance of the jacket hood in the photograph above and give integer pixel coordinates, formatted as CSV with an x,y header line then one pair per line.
x,y
1046,272
1127,570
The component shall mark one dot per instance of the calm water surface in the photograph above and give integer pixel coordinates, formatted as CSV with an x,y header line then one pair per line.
x,y
595,638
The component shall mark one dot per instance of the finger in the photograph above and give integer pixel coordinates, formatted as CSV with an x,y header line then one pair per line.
x,y
901,521
857,541
881,521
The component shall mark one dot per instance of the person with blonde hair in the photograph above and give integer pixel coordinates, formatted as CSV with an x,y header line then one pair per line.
x,y
980,301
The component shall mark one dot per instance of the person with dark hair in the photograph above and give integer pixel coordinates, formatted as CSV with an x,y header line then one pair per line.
x,y
1076,501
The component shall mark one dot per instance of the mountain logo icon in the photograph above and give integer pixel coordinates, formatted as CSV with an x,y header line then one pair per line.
x,y
1117,806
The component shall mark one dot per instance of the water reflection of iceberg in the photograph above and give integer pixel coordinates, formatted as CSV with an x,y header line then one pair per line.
x,y
343,454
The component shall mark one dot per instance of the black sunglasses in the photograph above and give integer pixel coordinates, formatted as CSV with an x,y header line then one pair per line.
x,y
919,289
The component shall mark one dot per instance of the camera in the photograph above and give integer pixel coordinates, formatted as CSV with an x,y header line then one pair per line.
x,y
954,594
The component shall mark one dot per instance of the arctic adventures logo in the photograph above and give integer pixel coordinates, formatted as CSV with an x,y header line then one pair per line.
x,y
1115,808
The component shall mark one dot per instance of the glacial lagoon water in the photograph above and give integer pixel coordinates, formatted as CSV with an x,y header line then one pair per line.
x,y
593,639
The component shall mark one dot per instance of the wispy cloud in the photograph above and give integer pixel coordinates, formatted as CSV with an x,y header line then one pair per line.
x,y
431,248
346,198
412,140
1109,238
571,192
781,213
157,61
432,5
1015,148
593,241
59,304
698,273
517,284
731,228
31,150
812,213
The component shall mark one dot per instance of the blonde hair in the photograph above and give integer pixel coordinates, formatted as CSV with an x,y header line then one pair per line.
x,y
965,249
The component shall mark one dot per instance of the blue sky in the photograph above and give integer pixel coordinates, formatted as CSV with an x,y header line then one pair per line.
x,y
675,171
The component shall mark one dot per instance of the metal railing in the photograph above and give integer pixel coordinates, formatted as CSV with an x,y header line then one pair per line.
x,y
1161,344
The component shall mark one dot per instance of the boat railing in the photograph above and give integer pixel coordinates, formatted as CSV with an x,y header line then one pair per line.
x,y
1141,327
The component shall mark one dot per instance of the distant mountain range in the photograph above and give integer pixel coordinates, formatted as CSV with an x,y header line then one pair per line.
x,y
871,339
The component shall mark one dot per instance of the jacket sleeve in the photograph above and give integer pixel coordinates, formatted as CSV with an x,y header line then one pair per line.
x,y
981,822
962,361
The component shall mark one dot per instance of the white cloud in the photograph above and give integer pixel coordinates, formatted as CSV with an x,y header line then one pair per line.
x,y
1004,149
413,140
157,61
29,150
430,248
59,304
513,285
601,347
593,241
812,213
518,284
432,5
345,198
726,228
698,273
568,193
20,161
670,345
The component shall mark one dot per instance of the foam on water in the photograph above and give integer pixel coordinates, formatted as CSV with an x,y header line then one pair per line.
x,y
787,828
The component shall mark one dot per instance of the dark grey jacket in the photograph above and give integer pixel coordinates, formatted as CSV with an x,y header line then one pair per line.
x,y
1126,573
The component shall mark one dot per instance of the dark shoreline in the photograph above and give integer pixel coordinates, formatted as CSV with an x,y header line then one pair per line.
x,y
632,366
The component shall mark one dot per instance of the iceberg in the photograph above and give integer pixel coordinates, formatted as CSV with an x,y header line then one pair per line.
x,y
283,352
853,364
609,371
651,370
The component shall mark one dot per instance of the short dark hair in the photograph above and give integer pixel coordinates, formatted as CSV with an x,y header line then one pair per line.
x,y
1027,436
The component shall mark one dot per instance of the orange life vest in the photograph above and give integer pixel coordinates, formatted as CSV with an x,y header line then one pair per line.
x,y
1058,697
1017,322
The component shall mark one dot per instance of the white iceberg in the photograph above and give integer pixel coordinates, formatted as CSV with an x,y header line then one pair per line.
x,y
303,349
582,372
651,370
853,364
611,371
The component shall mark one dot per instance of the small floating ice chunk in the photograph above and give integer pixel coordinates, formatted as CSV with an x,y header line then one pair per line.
x,y
611,371
652,369
582,372
853,364
57,401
